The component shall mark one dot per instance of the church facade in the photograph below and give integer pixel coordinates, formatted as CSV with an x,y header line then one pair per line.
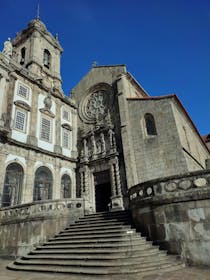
x,y
109,136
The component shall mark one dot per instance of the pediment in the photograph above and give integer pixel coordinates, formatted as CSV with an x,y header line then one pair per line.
x,y
22,105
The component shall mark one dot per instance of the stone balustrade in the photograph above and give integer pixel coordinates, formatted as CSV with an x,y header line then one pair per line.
x,y
41,208
171,187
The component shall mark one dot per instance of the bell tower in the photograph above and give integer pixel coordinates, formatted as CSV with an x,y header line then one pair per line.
x,y
38,51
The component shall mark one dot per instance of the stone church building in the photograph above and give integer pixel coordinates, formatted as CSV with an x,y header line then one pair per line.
x,y
96,147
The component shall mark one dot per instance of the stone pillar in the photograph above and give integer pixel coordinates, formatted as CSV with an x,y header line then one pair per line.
x,y
84,177
127,141
112,177
56,187
58,144
117,175
28,187
116,199
74,151
32,139
3,170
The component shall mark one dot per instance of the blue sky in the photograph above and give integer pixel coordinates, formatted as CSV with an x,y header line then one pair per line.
x,y
164,43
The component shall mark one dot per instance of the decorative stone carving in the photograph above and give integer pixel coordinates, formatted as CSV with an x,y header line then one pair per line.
x,y
149,191
95,105
185,185
103,144
7,50
93,145
48,102
200,182
47,106
170,187
141,193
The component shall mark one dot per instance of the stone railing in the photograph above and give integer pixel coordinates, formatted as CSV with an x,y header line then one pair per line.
x,y
38,209
176,187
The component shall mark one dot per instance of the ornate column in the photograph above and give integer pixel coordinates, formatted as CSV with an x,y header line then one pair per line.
x,y
116,199
85,192
112,177
117,175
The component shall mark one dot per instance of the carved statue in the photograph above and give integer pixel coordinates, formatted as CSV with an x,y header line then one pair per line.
x,y
103,144
48,102
93,144
112,140
7,50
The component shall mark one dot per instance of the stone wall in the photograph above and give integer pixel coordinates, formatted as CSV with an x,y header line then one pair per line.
x,y
175,213
25,226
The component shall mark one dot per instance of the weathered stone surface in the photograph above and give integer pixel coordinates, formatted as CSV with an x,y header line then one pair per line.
x,y
185,185
200,182
170,187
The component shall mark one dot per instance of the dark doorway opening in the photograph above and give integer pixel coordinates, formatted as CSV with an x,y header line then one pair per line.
x,y
102,191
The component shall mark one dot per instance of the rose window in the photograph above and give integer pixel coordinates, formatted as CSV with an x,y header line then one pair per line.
x,y
96,105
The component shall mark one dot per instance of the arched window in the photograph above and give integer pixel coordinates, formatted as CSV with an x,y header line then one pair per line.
x,y
12,185
150,124
65,186
43,184
46,58
23,54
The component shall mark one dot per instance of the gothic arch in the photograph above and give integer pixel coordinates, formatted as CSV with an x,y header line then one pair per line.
x,y
150,124
43,184
13,183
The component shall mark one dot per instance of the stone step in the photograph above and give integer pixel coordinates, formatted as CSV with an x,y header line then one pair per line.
x,y
111,240
106,233
96,271
95,219
140,256
91,263
110,245
107,214
95,227
93,236
100,244
98,224
99,220
65,250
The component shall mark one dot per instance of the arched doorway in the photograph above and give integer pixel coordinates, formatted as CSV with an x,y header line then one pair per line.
x,y
65,186
43,184
12,185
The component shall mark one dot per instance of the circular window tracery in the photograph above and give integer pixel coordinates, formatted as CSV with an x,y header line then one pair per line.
x,y
97,103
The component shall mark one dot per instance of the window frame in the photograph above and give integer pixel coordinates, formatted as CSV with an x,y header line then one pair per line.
x,y
24,86
51,129
25,120
148,121
65,130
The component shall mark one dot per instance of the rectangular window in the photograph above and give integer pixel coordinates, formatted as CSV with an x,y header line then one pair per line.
x,y
45,129
66,115
20,119
66,138
23,91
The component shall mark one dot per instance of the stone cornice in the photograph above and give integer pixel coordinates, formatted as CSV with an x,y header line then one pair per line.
x,y
11,141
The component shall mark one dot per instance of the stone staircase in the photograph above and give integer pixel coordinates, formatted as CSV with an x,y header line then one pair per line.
x,y
99,244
